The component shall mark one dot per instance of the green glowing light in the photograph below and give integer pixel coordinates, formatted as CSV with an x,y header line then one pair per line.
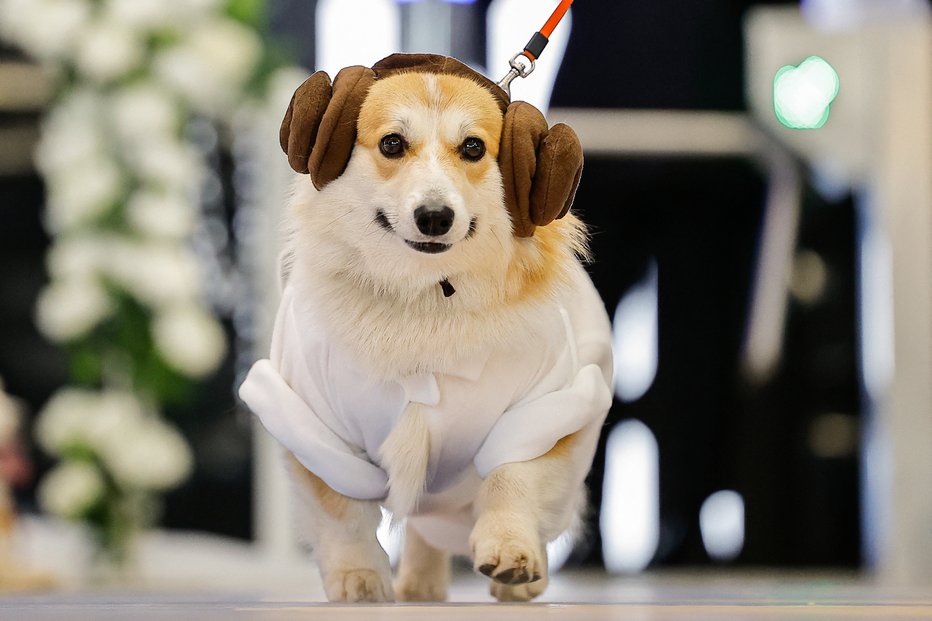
x,y
803,95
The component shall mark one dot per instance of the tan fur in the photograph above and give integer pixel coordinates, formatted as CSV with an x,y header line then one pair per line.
x,y
563,449
334,503
425,571
535,270
390,100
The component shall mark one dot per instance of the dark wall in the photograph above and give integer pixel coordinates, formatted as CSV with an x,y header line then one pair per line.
x,y
679,54
700,219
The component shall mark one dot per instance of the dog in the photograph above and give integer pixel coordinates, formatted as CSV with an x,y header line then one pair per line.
x,y
439,349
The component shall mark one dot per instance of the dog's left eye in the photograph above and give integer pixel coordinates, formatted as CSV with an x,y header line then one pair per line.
x,y
392,145
472,149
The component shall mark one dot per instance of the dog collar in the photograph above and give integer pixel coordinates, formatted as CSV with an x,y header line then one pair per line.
x,y
447,288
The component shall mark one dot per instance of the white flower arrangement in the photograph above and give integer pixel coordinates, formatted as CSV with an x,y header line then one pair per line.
x,y
123,183
113,432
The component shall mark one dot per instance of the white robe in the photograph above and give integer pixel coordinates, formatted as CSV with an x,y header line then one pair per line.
x,y
503,407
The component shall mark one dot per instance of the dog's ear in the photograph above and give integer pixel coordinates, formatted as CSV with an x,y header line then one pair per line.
x,y
319,128
540,168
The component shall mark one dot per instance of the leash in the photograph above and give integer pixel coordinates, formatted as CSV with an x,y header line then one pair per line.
x,y
522,69
533,49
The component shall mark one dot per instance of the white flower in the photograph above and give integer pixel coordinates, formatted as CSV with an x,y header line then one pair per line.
x,y
71,133
116,413
82,193
152,14
108,50
70,489
189,76
163,214
149,455
209,67
228,48
191,10
62,421
46,29
94,420
189,339
62,147
168,163
141,14
156,273
144,111
82,256
67,309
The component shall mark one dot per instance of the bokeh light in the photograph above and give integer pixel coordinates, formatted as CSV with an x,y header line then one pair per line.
x,y
802,95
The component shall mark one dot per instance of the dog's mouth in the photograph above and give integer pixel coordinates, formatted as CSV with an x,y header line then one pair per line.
x,y
426,247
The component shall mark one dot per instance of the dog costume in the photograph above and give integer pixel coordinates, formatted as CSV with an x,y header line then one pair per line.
x,y
497,408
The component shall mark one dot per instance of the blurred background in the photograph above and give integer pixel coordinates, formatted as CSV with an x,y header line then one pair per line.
x,y
770,287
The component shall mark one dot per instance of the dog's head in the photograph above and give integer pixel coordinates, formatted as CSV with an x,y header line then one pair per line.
x,y
445,141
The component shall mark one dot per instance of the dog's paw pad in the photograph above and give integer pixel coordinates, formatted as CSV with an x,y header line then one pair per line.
x,y
488,569
515,575
509,564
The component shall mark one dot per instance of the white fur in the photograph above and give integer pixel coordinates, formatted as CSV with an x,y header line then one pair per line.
x,y
405,454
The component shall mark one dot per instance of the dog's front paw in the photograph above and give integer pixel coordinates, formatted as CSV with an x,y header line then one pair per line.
x,y
357,585
507,551
519,592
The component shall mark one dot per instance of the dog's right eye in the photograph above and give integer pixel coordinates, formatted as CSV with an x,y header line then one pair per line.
x,y
392,145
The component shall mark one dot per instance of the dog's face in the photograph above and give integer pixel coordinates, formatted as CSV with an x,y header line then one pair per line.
x,y
423,190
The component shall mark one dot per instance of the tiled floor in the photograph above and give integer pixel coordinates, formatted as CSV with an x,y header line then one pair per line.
x,y
585,596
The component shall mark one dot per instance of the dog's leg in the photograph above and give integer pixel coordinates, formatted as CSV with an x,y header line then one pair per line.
x,y
519,508
424,571
342,534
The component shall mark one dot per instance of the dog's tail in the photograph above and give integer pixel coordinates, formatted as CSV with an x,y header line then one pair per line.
x,y
404,456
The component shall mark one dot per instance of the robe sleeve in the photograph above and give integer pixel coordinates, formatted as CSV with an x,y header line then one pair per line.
x,y
530,429
297,427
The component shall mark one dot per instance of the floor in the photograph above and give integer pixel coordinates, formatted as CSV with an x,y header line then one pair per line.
x,y
195,577
573,595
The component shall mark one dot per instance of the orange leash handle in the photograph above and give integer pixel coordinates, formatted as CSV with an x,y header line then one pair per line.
x,y
533,49
540,39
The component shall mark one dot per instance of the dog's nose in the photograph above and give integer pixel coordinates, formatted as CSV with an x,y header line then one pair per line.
x,y
433,220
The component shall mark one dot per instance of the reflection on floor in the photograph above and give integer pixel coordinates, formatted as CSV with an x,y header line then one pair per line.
x,y
197,577
573,595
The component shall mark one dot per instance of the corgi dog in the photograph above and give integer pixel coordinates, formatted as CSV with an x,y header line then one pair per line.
x,y
439,350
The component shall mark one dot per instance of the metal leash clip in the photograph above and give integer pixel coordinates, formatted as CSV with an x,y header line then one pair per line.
x,y
518,70
533,49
